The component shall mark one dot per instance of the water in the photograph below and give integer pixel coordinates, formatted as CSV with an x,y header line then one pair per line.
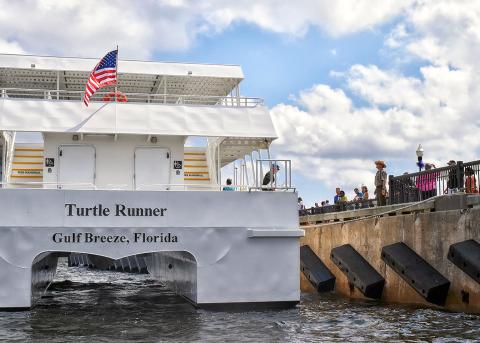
x,y
94,306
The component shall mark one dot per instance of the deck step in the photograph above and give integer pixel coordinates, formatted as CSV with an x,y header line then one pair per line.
x,y
27,164
196,171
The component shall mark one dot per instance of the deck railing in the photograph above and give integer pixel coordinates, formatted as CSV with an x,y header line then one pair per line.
x,y
338,207
108,96
461,177
275,182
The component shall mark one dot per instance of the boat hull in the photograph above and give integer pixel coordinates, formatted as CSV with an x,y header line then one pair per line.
x,y
210,247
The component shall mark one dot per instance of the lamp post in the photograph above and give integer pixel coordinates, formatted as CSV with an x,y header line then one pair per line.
x,y
420,157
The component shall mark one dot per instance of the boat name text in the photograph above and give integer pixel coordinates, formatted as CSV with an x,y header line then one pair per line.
x,y
119,210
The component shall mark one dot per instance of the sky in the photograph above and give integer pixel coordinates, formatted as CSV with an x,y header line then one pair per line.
x,y
346,82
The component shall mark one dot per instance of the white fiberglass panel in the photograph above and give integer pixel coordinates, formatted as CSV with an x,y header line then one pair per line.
x,y
76,166
135,118
152,168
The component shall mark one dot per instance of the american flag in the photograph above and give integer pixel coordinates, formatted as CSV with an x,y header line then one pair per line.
x,y
104,74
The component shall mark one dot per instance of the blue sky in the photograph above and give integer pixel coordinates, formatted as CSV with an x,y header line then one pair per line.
x,y
277,66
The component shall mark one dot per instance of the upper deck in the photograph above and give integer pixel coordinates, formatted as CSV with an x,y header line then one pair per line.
x,y
44,93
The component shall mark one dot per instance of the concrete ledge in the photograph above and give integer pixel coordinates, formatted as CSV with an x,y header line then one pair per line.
x,y
451,202
441,203
253,233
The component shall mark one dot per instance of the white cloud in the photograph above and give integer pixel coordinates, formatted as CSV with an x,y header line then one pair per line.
x,y
88,28
7,47
439,108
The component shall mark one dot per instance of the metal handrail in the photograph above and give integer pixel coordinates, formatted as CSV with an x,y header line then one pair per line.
x,y
160,98
287,167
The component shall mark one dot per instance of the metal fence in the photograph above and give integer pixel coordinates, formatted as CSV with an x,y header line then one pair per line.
x,y
338,207
437,181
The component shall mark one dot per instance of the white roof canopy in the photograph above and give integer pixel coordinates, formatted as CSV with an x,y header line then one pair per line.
x,y
70,74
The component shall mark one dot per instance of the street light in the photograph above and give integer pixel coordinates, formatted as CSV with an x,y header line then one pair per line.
x,y
420,156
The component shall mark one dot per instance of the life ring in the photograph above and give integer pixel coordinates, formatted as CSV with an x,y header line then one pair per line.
x,y
121,97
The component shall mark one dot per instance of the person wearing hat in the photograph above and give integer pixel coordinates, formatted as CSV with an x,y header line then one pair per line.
x,y
381,183
452,182
269,178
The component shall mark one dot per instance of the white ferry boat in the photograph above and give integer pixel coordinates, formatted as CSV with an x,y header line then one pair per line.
x,y
115,179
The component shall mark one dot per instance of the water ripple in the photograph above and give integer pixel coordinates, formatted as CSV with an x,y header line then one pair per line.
x,y
91,306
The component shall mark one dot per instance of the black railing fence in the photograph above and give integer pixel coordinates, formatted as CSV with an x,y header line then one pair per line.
x,y
461,177
342,206
438,181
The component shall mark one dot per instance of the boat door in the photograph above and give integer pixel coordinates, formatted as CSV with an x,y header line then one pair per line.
x,y
152,168
76,167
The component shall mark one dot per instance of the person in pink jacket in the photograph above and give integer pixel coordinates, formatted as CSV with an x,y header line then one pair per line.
x,y
427,182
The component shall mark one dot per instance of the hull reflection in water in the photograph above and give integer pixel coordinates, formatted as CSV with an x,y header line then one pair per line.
x,y
84,305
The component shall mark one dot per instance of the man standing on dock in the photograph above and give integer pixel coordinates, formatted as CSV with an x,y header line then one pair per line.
x,y
381,183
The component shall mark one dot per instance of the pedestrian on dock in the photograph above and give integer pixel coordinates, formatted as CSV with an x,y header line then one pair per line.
x,y
358,195
336,198
381,183
300,204
427,182
470,181
365,192
452,182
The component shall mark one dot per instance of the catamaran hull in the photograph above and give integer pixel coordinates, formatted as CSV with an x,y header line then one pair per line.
x,y
212,248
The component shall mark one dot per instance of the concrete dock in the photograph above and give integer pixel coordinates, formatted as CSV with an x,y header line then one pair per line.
x,y
429,228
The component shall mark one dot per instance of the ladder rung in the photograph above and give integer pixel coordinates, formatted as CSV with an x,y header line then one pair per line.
x,y
193,166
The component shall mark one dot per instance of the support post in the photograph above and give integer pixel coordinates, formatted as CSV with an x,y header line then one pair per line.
x,y
254,173
165,89
58,84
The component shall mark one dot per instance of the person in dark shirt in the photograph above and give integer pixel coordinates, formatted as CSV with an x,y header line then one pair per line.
x,y
269,178
452,183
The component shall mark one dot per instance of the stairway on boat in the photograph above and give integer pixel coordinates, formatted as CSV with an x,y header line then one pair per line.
x,y
196,171
27,164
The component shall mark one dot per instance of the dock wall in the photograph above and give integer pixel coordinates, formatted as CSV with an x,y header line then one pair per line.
x,y
429,234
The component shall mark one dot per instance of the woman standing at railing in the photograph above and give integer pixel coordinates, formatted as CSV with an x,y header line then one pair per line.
x,y
365,192
470,181
427,182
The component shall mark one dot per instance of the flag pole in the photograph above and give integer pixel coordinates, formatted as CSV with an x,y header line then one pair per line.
x,y
116,77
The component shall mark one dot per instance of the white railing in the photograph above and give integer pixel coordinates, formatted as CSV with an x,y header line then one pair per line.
x,y
9,137
275,182
170,99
